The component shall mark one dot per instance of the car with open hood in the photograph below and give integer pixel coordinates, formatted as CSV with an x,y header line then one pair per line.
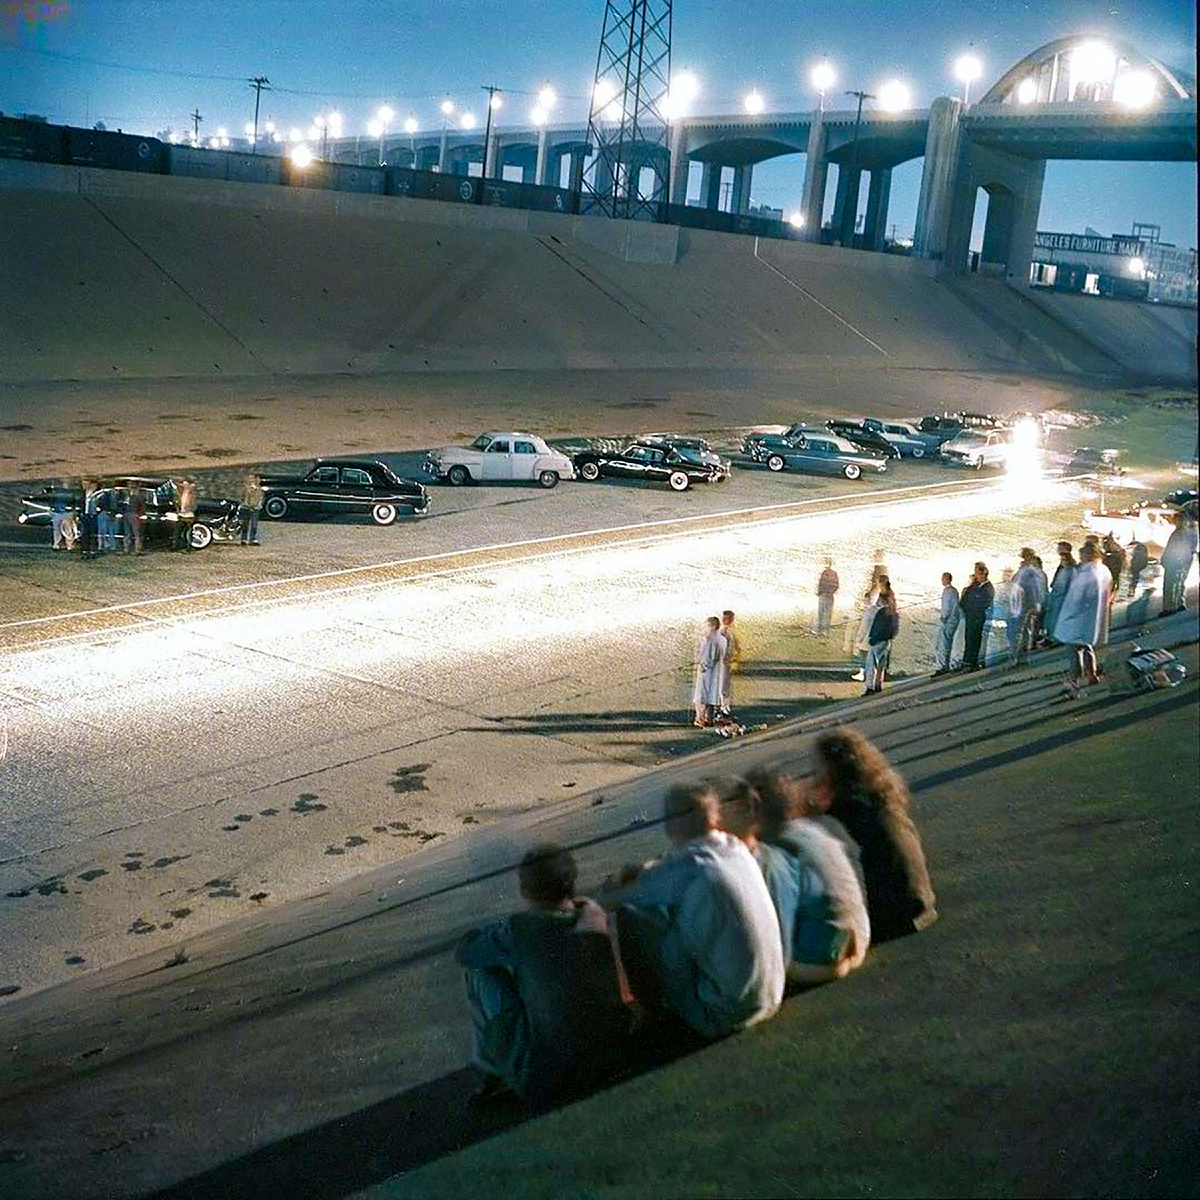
x,y
501,458
341,486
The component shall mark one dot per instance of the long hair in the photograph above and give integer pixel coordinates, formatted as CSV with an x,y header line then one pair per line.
x,y
887,597
858,774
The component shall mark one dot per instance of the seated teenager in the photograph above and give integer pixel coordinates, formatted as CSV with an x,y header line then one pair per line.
x,y
813,875
544,988
855,784
698,933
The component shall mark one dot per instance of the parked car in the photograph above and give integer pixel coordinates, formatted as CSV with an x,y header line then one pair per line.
x,y
863,438
905,436
945,427
977,448
1100,462
645,460
758,446
215,520
333,486
820,452
697,446
501,457
1187,499
1149,523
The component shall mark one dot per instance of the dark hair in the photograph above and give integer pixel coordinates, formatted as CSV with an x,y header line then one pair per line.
x,y
714,622
947,577
729,613
857,773
780,799
690,810
886,595
547,874
741,807
981,569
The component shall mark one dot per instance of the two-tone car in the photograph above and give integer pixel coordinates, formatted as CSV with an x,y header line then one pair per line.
x,y
978,448
339,486
646,460
500,458
759,446
905,436
820,452
696,445
214,520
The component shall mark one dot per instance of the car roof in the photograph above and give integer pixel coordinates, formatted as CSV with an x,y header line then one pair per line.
x,y
348,462
510,434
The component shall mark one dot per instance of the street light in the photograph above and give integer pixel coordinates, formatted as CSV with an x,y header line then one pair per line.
x,y
447,107
1135,89
1027,91
379,127
967,69
1093,64
538,115
796,219
823,78
894,97
467,120
546,98
754,103
301,156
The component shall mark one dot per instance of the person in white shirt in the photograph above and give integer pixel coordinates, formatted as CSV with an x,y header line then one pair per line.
x,y
710,669
1025,606
733,655
697,930
1081,620
948,621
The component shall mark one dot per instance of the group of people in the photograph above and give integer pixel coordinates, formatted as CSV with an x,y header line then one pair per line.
x,y
878,621
718,659
770,882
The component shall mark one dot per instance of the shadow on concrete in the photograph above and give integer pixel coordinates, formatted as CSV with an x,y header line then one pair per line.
x,y
399,1134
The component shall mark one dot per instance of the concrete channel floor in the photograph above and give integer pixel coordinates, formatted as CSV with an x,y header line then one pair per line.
x,y
1036,1041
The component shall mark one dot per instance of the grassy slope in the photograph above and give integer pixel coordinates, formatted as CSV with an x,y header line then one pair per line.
x,y
1038,1041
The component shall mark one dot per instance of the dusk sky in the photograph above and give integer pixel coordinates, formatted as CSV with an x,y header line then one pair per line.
x,y
143,66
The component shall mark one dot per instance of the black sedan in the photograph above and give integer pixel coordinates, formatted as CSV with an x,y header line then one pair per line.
x,y
864,438
677,467
214,520
333,486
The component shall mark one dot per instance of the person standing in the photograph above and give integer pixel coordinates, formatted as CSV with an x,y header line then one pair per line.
x,y
732,661
884,627
1114,559
89,523
706,697
134,515
1025,603
186,501
59,512
827,587
1138,560
976,603
1177,558
252,498
949,617
1081,620
1060,585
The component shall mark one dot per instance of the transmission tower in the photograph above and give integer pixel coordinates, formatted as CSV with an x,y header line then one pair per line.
x,y
628,120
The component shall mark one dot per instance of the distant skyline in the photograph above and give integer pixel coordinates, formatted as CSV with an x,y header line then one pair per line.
x,y
144,66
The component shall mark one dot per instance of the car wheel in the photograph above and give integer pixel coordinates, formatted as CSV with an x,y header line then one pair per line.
x,y
679,481
275,507
775,462
852,470
199,537
383,514
548,479
918,452
590,471
458,475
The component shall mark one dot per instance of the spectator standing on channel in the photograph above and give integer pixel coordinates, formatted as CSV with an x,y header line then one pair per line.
x,y
949,618
1060,585
857,786
59,512
1139,560
252,498
1177,558
1044,582
976,603
544,988
1114,559
107,520
1081,619
89,520
697,931
710,669
186,500
732,661
1026,601
884,627
134,519
827,587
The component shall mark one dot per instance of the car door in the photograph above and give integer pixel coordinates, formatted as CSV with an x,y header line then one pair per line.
x,y
318,490
524,460
631,464
356,490
824,457
497,461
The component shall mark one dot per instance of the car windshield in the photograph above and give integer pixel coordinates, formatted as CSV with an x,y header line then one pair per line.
x,y
482,442
387,473
970,437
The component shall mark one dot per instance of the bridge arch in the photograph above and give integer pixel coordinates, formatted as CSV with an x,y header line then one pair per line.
x,y
1087,66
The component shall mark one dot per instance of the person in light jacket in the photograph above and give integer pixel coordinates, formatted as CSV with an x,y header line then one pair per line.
x,y
884,627
1025,605
1081,619
949,618
710,669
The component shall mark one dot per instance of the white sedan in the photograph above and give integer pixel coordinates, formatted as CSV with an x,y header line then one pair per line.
x,y
500,457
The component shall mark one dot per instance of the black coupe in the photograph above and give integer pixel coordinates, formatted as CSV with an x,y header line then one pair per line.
x,y
864,438
333,486
660,463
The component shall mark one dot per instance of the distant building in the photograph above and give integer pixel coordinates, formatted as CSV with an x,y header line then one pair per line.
x,y
1134,266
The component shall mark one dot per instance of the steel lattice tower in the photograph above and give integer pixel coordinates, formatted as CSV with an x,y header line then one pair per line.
x,y
628,121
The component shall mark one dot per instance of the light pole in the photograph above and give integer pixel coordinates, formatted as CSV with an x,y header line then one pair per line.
x,y
823,78
853,179
967,70
410,127
257,83
494,103
384,116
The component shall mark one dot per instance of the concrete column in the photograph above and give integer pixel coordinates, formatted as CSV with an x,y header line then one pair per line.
x,y
490,152
878,197
578,158
939,179
443,150
680,165
710,187
543,158
845,205
741,189
816,175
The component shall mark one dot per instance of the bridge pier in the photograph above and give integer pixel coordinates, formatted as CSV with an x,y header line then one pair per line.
x,y
845,204
816,176
444,150
542,165
710,186
878,198
740,201
680,166
579,157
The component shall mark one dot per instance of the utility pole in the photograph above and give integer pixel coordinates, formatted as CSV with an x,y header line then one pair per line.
x,y
854,180
492,91
258,83
196,119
